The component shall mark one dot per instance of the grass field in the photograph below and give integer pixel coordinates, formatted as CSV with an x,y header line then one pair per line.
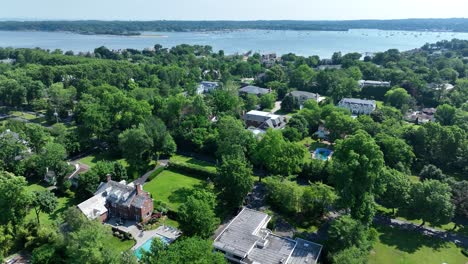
x,y
115,243
171,187
207,165
92,159
49,219
395,246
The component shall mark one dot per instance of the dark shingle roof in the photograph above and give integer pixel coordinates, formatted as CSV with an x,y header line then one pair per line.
x,y
254,90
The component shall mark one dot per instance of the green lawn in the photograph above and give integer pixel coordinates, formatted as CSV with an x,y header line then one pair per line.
x,y
92,159
23,115
207,165
48,219
396,246
115,243
171,187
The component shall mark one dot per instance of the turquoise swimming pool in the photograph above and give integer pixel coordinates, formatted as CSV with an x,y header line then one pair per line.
x,y
147,245
322,153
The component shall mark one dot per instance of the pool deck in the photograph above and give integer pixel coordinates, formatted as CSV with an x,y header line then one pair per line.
x,y
141,236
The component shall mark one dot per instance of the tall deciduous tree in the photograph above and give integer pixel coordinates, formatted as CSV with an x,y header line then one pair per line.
x,y
396,188
234,180
14,199
431,202
136,145
44,201
279,156
397,97
197,214
445,114
188,250
358,162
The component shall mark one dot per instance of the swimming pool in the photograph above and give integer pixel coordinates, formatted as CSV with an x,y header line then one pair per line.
x,y
147,245
322,153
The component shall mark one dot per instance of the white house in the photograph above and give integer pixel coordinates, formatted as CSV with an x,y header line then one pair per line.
x,y
367,83
246,239
358,106
206,87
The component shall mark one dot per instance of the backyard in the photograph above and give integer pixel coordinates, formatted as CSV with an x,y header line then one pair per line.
x,y
171,187
193,161
63,204
49,219
403,247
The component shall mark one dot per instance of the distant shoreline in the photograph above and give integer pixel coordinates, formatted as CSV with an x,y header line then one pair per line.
x,y
136,28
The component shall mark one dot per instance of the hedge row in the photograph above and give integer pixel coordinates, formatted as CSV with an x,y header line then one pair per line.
x,y
193,170
156,173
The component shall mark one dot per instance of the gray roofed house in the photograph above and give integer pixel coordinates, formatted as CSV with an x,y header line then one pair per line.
x,y
302,96
247,240
367,83
118,199
264,120
254,90
358,106
206,87
440,86
329,67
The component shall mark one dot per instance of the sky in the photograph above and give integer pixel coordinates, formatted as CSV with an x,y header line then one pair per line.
x,y
231,9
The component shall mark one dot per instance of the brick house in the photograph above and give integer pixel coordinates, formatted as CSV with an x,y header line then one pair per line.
x,y
118,199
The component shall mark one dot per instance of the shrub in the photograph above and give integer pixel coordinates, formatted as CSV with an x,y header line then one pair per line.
x,y
193,170
156,173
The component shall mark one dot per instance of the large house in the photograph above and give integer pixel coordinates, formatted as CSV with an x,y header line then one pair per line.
x,y
264,120
206,87
254,90
247,240
440,86
367,83
358,106
269,59
302,96
118,199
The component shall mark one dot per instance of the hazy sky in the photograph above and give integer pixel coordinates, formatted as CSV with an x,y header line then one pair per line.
x,y
231,9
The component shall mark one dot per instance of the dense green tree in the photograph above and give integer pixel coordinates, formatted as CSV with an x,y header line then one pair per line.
x,y
431,202
460,198
135,145
358,163
233,138
346,232
351,255
289,104
14,199
197,216
445,114
340,125
267,101
234,180
316,198
398,97
396,188
284,195
397,153
279,156
431,172
86,245
44,202
188,250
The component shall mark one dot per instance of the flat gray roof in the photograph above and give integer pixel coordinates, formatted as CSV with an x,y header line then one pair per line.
x,y
306,252
240,236
246,237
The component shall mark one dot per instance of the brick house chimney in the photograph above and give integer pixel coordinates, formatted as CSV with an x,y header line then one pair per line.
x,y
139,189
109,177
